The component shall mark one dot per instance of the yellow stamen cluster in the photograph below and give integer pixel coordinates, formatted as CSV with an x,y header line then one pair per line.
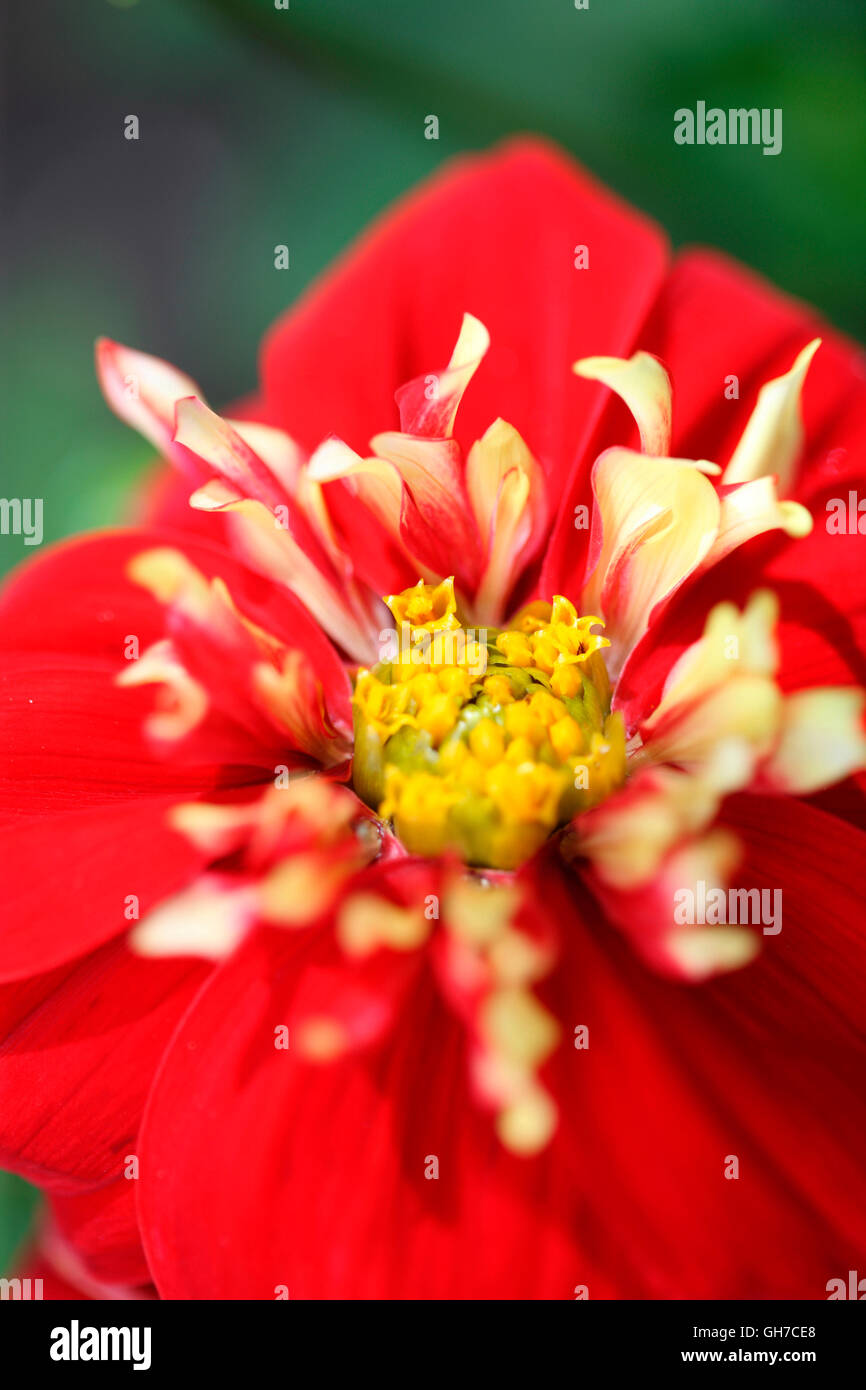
x,y
487,741
430,606
554,640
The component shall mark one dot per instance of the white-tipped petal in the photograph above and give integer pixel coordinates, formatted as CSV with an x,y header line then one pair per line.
x,y
822,739
642,382
752,509
204,920
143,390
773,436
658,521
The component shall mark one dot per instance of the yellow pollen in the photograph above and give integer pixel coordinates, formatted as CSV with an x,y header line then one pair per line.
x,y
431,606
498,689
483,742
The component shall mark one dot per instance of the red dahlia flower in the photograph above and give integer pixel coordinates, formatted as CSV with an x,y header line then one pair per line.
x,y
439,952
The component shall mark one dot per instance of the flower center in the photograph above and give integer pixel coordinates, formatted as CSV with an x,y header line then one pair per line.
x,y
483,740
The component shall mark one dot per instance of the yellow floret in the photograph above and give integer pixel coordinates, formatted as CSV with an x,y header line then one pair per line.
x,y
487,741
488,763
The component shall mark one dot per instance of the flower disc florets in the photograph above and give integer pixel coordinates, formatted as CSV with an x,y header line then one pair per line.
x,y
483,741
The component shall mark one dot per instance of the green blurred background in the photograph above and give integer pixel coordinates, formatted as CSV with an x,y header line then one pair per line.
x,y
262,126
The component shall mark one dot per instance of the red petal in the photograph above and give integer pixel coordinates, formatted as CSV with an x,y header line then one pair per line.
x,y
494,236
820,583
162,501
697,328
55,1287
70,878
76,597
712,320
315,1177
72,739
64,1275
715,319
80,1046
834,415
102,1228
65,621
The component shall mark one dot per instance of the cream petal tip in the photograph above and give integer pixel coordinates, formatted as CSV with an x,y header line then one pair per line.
x,y
701,952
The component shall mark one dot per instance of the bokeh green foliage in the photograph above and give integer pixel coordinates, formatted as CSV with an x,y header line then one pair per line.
x,y
17,1205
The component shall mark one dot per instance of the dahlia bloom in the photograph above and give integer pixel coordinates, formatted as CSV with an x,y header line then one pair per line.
x,y
384,808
